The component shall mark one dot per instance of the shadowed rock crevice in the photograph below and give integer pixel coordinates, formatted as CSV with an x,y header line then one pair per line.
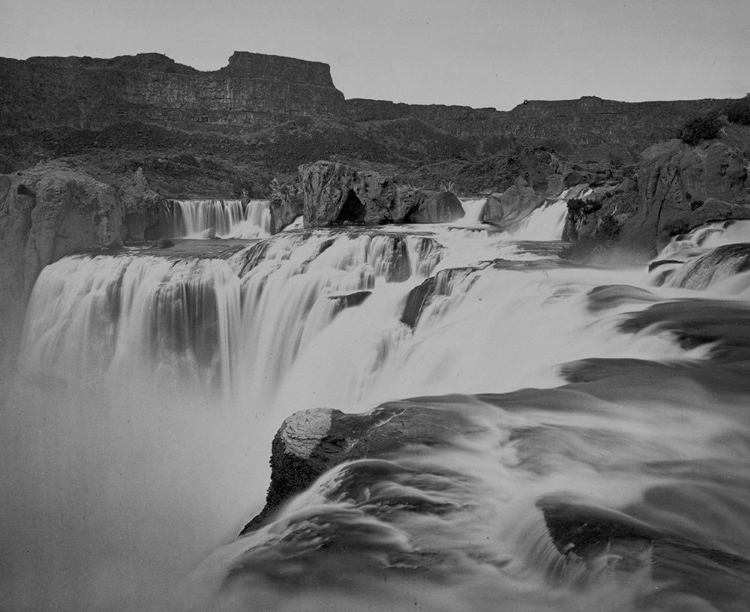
x,y
352,212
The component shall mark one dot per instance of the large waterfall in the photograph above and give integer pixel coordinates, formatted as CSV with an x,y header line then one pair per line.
x,y
608,407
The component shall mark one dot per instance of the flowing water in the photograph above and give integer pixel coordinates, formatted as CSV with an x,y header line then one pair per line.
x,y
589,436
220,218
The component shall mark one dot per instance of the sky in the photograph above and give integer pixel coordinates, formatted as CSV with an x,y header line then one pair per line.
x,y
473,52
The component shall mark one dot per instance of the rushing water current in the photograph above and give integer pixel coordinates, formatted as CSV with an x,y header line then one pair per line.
x,y
587,445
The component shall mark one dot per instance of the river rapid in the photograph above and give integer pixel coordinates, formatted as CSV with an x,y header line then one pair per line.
x,y
592,432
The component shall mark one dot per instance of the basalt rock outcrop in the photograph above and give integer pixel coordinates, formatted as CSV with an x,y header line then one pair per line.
x,y
338,194
253,91
311,442
511,206
52,211
676,187
567,125
280,112
286,203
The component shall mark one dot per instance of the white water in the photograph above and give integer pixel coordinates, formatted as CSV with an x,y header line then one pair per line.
x,y
139,432
545,223
224,218
473,209
706,237
690,260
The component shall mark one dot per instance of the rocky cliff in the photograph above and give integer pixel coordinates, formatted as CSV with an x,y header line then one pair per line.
x,y
51,211
568,125
253,91
674,188
182,133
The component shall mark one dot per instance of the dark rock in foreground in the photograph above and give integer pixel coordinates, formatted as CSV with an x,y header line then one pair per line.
x,y
311,442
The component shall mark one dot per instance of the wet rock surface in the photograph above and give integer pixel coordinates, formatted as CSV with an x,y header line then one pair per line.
x,y
676,188
311,442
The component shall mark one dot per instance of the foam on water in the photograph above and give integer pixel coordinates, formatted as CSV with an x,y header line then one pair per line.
x,y
222,218
138,435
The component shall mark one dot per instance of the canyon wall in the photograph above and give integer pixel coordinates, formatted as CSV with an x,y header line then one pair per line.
x,y
253,91
588,121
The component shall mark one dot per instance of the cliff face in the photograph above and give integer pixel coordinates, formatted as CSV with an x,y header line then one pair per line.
x,y
253,91
675,188
563,124
52,211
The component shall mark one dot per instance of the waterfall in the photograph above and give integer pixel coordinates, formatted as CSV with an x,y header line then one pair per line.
x,y
712,255
222,218
544,223
582,433
473,209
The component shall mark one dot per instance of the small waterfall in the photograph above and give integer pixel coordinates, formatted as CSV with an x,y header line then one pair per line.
x,y
545,223
712,255
473,209
708,236
221,218
715,266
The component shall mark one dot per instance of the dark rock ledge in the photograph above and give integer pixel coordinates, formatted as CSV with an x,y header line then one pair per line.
x,y
311,442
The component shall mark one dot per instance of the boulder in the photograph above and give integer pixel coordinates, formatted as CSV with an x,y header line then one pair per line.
x,y
511,206
311,442
336,194
430,206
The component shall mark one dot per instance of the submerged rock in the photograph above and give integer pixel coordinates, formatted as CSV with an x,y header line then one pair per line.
x,y
349,300
421,295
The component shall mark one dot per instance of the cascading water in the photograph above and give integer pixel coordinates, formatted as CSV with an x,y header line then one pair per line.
x,y
588,446
221,218
545,223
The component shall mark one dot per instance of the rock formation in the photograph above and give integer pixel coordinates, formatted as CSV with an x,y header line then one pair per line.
x,y
312,442
583,123
676,188
511,206
153,129
338,194
253,91
286,204
51,211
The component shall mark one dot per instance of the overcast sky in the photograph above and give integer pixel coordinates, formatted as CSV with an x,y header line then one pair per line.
x,y
473,52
